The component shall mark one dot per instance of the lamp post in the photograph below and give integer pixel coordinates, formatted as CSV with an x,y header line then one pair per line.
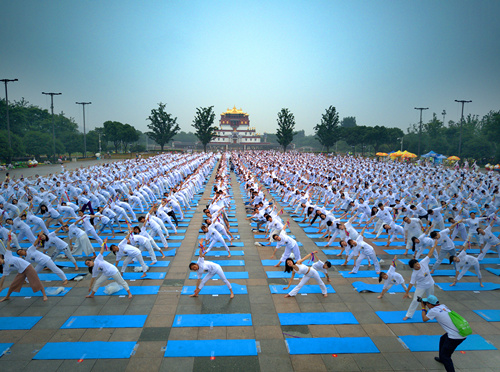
x,y
444,116
420,127
84,132
53,124
463,102
401,142
6,81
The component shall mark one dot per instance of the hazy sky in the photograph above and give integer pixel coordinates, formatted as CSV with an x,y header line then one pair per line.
x,y
375,60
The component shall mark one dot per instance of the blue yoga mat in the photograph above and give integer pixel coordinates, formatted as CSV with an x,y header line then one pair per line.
x,y
271,262
4,347
149,275
134,289
323,244
393,244
210,348
273,244
228,274
215,289
220,253
148,263
277,289
229,262
173,237
105,321
331,345
314,236
360,274
493,271
469,286
311,229
450,273
170,253
410,252
54,277
316,318
212,320
86,350
489,315
282,274
18,322
431,343
331,252
28,292
396,317
377,288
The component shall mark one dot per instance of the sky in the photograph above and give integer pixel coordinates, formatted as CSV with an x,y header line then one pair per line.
x,y
375,60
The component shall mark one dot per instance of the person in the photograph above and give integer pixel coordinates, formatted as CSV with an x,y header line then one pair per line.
x,y
391,278
101,271
308,272
421,278
291,246
451,339
24,271
362,250
463,262
211,268
323,267
130,253
488,240
213,236
447,246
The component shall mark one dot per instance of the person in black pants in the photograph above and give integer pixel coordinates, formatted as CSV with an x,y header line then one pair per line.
x,y
451,339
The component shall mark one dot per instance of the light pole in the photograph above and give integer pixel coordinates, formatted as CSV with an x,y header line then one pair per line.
x,y
401,142
84,132
444,116
53,123
463,102
420,127
100,143
8,123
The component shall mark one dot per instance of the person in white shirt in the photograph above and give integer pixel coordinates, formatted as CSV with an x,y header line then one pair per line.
x,y
82,243
451,339
101,271
421,279
488,240
413,228
129,253
362,250
291,246
463,262
212,269
42,261
308,272
212,236
323,267
391,278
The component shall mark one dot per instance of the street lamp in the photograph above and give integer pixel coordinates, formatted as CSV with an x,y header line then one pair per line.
x,y
53,124
401,138
463,102
420,127
8,123
84,132
444,116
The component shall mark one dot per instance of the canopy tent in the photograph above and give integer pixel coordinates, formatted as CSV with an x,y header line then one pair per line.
x,y
453,158
381,154
430,154
407,154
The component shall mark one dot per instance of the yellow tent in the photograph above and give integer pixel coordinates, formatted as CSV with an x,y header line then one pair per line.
x,y
453,158
381,154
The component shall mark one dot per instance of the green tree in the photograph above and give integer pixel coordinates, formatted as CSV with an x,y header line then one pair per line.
x,y
38,143
286,126
128,134
204,124
72,142
17,146
163,126
348,122
327,132
112,132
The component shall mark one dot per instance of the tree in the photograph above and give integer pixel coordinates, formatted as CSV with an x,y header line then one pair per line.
x,y
38,143
327,132
204,124
127,135
286,126
163,126
111,132
348,122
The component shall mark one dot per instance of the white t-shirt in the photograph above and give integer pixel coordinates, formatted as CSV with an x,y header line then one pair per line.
x,y
440,313
103,267
422,278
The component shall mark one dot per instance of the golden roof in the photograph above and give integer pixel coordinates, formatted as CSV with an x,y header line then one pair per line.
x,y
234,110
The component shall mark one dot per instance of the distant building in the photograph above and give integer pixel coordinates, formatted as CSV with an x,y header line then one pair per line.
x,y
235,133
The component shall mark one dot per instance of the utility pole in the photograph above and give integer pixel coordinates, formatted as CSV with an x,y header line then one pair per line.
x,y
84,132
53,124
463,102
420,127
100,143
444,116
8,123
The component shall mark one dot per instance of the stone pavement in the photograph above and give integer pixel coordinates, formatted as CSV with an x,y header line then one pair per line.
x,y
264,307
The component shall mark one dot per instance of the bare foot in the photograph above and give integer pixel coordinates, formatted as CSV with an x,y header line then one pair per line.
x,y
154,263
130,295
232,295
229,255
409,296
406,318
76,267
193,295
90,296
338,255
481,284
380,296
325,295
344,264
351,272
65,282
453,284
163,256
287,296
143,275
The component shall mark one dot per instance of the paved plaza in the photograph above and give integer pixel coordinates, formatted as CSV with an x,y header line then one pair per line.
x,y
269,334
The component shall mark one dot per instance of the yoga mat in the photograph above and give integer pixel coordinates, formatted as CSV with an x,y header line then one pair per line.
x,y
450,273
393,244
493,271
233,244
360,274
469,286
172,237
228,262
331,252
4,347
18,322
431,343
277,289
54,277
212,320
377,288
274,244
170,253
28,292
149,275
215,289
316,318
488,315
314,236
210,348
105,321
281,274
311,229
148,263
331,345
220,253
396,317
271,262
134,289
86,350
228,275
